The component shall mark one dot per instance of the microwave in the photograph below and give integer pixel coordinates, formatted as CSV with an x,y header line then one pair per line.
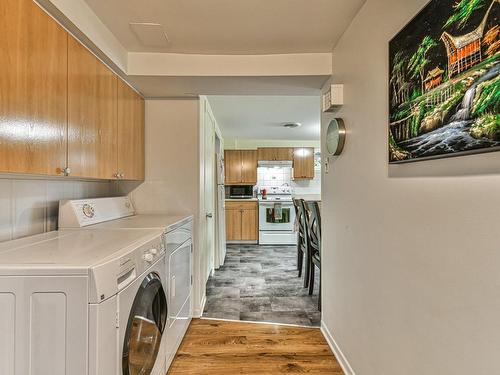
x,y
240,191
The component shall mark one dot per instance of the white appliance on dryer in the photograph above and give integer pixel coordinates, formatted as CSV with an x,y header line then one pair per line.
x,y
83,303
119,213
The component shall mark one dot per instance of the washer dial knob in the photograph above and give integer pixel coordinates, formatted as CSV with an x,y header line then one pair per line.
x,y
148,257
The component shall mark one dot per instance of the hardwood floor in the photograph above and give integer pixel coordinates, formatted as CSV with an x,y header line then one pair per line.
x,y
222,347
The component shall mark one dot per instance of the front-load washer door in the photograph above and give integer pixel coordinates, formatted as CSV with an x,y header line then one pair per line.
x,y
145,327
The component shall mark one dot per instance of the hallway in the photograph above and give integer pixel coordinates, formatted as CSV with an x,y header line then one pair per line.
x,y
217,347
260,283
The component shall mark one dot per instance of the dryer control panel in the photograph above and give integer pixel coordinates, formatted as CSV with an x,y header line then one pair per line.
x,y
83,212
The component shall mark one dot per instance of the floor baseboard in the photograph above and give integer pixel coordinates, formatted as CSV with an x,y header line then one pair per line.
x,y
341,358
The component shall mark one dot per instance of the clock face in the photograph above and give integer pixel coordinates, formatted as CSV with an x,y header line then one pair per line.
x,y
335,137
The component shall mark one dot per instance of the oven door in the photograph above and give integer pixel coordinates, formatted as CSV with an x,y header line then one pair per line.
x,y
270,219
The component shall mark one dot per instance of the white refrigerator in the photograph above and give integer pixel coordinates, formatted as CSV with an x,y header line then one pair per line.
x,y
220,252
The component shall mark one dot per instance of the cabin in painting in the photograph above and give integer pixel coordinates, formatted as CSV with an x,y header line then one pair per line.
x,y
444,81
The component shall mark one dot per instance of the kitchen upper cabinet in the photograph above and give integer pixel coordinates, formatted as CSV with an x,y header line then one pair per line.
x,y
131,163
92,115
249,167
232,167
242,221
240,167
303,163
275,154
33,90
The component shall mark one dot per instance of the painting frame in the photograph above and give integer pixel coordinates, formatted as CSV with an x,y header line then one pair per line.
x,y
452,76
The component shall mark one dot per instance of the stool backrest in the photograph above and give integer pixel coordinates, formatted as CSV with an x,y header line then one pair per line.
x,y
314,227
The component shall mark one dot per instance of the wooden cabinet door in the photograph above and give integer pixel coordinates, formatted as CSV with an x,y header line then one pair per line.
x,y
249,167
233,224
33,90
303,163
130,133
284,154
92,115
249,224
232,165
266,154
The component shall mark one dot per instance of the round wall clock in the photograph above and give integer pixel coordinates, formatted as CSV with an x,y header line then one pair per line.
x,y
335,136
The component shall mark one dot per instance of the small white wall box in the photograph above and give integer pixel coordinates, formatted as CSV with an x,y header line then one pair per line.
x,y
333,98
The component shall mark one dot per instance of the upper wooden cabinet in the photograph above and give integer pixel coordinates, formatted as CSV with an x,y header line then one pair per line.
x,y
303,163
240,167
275,154
33,90
131,163
92,115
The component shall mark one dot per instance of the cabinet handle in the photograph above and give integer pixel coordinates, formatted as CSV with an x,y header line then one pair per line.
x,y
66,171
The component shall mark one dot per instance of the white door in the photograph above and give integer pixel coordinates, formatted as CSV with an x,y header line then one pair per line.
x,y
209,188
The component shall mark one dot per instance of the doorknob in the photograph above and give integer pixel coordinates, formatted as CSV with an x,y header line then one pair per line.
x,y
210,215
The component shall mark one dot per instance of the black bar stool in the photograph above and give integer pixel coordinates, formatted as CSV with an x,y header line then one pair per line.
x,y
302,240
314,232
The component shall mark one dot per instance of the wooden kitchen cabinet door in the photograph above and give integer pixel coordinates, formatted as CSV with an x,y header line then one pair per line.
x,y
249,167
232,167
284,154
275,154
92,115
303,163
33,90
250,224
233,224
131,158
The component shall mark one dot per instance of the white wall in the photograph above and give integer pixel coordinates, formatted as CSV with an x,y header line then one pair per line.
x,y
412,251
172,183
30,206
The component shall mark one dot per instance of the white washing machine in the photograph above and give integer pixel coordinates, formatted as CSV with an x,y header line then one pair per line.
x,y
119,213
83,302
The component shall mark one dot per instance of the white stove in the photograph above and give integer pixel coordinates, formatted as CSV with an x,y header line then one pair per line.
x,y
276,216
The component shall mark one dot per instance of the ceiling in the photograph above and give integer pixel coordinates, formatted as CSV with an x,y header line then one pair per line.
x,y
172,87
262,117
227,26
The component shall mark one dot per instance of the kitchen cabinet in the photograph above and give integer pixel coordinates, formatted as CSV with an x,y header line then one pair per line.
x,y
303,163
92,115
242,221
33,90
240,167
131,162
275,154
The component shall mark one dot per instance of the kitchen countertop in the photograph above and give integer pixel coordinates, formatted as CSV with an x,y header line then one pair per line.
x,y
242,199
308,197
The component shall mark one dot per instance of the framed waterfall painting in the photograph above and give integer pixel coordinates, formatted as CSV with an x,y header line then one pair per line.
x,y
444,86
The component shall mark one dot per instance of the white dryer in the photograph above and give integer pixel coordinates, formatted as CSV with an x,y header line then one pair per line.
x,y
83,302
119,213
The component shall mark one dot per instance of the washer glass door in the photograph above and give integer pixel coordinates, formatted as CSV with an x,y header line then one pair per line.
x,y
145,327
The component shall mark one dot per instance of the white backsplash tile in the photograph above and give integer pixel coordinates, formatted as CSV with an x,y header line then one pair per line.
x,y
5,210
30,207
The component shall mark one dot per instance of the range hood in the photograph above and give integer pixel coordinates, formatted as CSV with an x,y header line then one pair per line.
x,y
275,163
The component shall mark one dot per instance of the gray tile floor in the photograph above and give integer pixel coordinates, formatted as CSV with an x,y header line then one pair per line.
x,y
260,283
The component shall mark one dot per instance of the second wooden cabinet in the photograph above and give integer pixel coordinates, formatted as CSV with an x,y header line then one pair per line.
x,y
92,115
275,154
303,163
240,167
242,221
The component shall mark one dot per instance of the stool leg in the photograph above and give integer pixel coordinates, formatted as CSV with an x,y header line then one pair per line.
x,y
307,269
311,279
300,261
